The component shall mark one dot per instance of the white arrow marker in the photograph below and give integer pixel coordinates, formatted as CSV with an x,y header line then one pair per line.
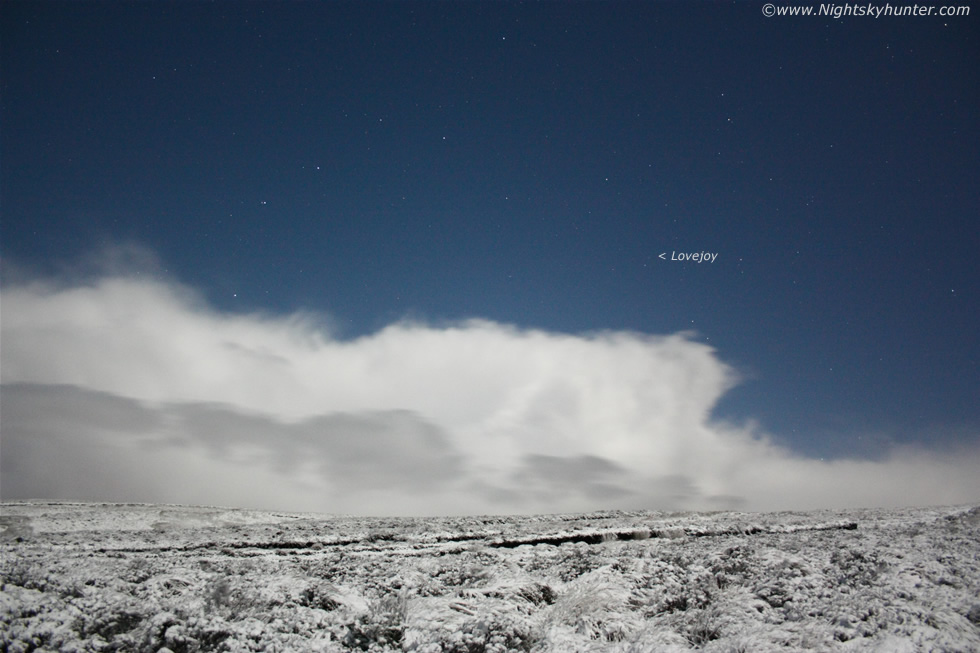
x,y
663,255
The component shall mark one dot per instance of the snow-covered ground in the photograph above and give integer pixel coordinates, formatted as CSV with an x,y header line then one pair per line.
x,y
109,577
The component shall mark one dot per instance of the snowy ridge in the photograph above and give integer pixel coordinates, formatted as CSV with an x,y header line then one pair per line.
x,y
82,577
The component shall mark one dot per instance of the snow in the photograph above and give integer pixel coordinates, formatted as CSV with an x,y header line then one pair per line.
x,y
135,577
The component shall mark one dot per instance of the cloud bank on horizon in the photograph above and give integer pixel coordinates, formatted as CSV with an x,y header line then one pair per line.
x,y
129,387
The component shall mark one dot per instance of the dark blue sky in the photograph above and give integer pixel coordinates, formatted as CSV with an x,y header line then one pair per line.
x,y
527,163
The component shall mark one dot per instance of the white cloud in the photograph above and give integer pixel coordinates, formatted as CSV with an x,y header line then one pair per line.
x,y
134,388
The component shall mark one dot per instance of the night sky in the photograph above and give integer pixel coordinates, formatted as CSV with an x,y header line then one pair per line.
x,y
426,209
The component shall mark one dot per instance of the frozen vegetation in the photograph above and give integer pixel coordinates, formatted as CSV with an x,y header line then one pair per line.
x,y
106,577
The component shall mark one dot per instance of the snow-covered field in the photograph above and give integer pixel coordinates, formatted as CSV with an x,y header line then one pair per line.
x,y
107,577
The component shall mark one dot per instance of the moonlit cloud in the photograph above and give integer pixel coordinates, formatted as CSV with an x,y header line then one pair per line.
x,y
132,388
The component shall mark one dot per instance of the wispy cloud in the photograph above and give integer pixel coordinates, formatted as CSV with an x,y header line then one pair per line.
x,y
131,387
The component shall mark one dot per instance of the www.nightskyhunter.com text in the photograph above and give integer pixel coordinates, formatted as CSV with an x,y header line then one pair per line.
x,y
863,10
